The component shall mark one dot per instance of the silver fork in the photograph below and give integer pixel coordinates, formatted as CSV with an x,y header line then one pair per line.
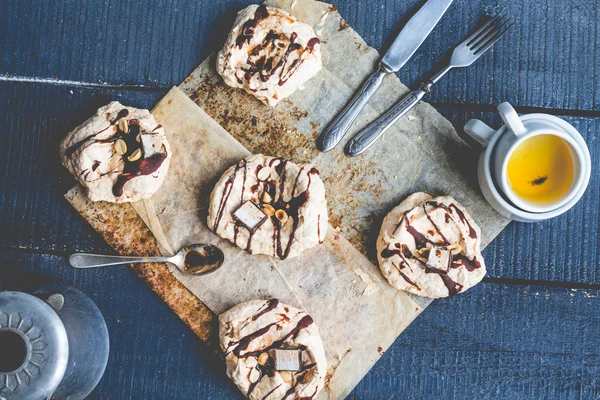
x,y
463,55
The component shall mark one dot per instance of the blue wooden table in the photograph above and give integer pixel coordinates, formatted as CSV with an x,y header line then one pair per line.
x,y
531,330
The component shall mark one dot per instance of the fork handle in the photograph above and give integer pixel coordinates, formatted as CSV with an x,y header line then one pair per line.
x,y
365,138
336,131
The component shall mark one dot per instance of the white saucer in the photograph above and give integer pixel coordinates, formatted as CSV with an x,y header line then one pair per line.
x,y
497,199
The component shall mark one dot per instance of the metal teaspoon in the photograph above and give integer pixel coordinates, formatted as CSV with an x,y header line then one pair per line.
x,y
197,259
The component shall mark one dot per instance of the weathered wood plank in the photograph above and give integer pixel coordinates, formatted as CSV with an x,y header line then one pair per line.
x,y
33,213
548,60
494,341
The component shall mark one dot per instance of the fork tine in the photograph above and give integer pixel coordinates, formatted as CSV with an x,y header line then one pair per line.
x,y
482,49
476,34
495,28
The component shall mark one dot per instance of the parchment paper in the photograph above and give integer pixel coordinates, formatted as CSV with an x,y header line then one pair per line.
x,y
358,313
421,152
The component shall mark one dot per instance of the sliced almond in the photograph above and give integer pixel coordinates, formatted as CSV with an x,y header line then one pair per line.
x,y
264,173
268,210
120,146
123,125
136,155
281,216
286,376
266,197
263,358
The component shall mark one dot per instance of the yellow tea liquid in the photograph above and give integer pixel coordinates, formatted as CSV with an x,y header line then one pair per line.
x,y
540,170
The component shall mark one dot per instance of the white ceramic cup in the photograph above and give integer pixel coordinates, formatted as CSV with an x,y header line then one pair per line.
x,y
489,139
518,131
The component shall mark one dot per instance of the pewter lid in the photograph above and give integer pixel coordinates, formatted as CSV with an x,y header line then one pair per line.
x,y
27,321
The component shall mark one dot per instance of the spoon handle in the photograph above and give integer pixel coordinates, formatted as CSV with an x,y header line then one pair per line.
x,y
86,260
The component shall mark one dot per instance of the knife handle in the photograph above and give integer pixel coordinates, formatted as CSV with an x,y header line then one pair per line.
x,y
365,138
336,131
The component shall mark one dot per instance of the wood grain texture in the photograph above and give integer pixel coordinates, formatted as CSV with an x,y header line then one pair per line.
x,y
34,214
496,341
548,60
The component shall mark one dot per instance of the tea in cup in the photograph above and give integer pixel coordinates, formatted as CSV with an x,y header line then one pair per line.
x,y
538,164
540,170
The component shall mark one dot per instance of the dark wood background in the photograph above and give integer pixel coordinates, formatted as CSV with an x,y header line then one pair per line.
x,y
530,330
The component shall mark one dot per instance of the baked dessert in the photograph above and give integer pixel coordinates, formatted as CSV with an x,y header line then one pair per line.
x,y
269,53
119,155
430,247
272,350
269,205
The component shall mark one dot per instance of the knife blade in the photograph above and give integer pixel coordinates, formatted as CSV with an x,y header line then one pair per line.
x,y
414,34
404,46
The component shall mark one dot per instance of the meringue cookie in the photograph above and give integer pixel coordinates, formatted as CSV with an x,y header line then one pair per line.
x,y
269,53
250,333
430,247
119,155
291,196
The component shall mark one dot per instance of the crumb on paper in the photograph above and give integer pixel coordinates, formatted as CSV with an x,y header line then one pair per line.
x,y
371,286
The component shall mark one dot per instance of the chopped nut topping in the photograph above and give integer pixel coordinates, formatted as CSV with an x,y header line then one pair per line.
x,y
281,216
123,125
136,155
424,252
120,146
254,375
266,197
455,248
286,376
268,209
263,358
264,173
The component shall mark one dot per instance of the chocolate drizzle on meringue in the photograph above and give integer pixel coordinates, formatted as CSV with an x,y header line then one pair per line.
x,y
421,242
270,58
248,28
131,170
291,207
238,347
146,166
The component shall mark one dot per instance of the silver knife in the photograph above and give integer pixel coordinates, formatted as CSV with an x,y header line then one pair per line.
x,y
406,43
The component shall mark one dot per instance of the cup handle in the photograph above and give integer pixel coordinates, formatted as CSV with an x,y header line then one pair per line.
x,y
511,119
479,131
